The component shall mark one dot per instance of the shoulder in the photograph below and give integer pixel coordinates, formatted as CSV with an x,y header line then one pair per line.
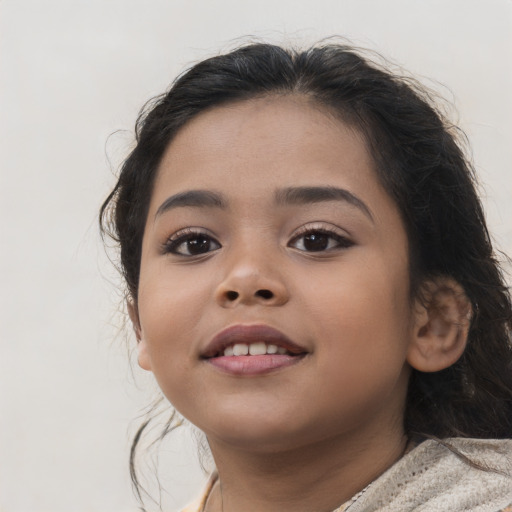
x,y
456,475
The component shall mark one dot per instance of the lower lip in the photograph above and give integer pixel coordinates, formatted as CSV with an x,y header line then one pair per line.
x,y
253,365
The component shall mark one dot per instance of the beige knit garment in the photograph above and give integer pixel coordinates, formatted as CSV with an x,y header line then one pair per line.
x,y
431,478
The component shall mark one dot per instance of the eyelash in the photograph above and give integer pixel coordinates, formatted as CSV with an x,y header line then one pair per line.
x,y
188,235
341,241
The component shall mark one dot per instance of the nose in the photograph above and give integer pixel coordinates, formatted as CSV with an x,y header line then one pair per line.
x,y
247,283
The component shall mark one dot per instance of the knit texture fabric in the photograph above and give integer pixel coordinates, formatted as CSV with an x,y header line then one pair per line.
x,y
431,478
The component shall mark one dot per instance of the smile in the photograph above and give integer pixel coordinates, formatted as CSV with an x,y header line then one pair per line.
x,y
252,350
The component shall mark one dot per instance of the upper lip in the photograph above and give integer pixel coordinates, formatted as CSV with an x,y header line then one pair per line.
x,y
249,334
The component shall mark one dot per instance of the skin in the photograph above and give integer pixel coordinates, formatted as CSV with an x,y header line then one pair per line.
x,y
310,435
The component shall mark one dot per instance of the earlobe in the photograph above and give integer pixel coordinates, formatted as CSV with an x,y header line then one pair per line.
x,y
143,356
442,319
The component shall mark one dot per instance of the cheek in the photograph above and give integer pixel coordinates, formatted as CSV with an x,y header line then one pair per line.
x,y
366,308
364,322
170,308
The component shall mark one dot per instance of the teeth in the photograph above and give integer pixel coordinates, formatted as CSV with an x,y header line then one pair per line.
x,y
240,349
254,349
257,349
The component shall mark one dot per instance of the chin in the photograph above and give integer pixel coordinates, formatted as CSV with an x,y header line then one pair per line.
x,y
260,435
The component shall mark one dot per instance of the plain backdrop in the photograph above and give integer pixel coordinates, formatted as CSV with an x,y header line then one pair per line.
x,y
72,73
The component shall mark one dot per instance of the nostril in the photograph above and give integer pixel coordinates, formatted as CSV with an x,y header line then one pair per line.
x,y
264,294
232,295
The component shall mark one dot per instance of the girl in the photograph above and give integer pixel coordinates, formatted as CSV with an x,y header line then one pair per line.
x,y
311,281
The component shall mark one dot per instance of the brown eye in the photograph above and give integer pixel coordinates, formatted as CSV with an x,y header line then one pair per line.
x,y
198,245
315,242
319,240
192,244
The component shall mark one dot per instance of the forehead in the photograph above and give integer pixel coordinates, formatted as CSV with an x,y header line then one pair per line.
x,y
261,142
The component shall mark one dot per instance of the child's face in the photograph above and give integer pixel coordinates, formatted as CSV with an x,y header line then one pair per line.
x,y
266,246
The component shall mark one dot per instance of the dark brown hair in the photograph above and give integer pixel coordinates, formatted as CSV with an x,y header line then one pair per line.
x,y
419,161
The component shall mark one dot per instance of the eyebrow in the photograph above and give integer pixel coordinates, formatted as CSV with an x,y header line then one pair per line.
x,y
285,196
306,195
192,198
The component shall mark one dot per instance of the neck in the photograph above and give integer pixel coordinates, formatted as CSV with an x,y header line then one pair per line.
x,y
318,477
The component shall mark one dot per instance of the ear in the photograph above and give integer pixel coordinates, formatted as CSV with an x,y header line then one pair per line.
x,y
142,349
441,325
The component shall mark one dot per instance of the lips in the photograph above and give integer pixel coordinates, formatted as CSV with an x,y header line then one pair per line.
x,y
248,335
252,349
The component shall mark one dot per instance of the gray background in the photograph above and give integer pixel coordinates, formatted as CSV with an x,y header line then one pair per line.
x,y
74,72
